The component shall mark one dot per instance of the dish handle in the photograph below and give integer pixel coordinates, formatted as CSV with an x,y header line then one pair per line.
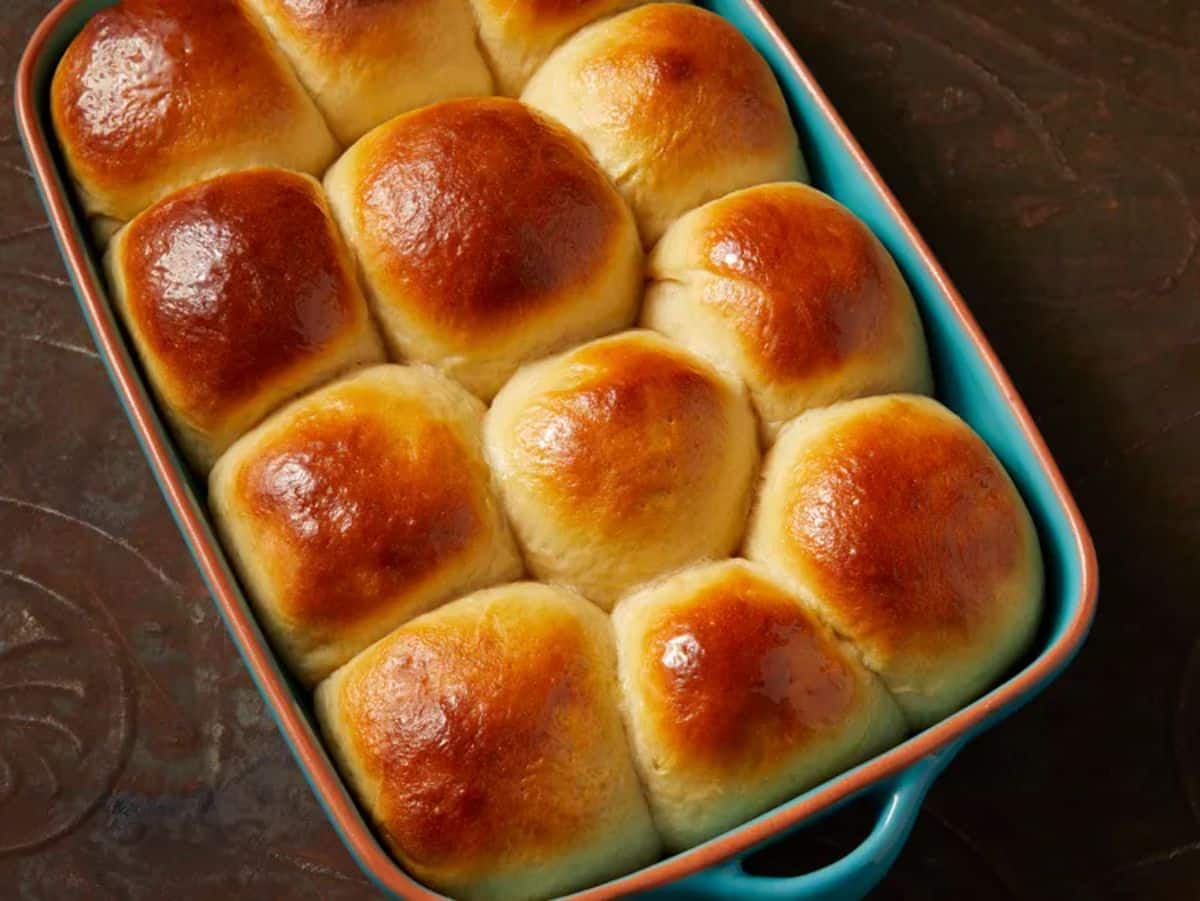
x,y
850,877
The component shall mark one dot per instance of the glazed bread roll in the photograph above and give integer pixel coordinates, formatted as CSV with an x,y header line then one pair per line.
x,y
365,61
518,35
902,529
675,104
621,460
358,507
487,236
485,742
738,698
154,94
238,294
788,289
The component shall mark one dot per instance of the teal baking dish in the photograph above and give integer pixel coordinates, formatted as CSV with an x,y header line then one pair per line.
x,y
970,380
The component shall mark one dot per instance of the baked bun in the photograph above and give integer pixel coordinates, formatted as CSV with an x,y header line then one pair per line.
x,y
621,460
487,236
365,61
358,507
154,94
675,104
238,294
788,289
738,698
895,520
518,35
485,742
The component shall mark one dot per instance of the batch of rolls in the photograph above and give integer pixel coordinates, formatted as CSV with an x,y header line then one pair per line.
x,y
517,365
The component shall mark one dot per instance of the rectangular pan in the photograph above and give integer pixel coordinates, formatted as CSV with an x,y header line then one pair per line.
x,y
970,381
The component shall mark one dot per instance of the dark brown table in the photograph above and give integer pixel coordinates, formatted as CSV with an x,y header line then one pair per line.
x,y
1050,152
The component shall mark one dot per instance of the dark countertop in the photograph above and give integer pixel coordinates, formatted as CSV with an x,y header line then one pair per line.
x,y
1049,150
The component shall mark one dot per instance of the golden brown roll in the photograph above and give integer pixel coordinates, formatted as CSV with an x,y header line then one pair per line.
x,y
358,507
739,698
154,94
487,236
365,61
621,460
675,104
895,520
787,288
485,742
518,35
239,294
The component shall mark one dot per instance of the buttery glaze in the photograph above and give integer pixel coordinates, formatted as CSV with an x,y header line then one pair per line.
x,y
374,30
683,80
908,525
459,727
632,441
340,25
151,83
363,501
335,15
232,282
741,676
491,729
552,12
473,249
804,282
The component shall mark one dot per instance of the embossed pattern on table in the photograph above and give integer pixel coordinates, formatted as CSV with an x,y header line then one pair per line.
x,y
1050,152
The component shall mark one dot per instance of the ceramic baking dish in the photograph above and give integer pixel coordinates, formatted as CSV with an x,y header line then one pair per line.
x,y
970,381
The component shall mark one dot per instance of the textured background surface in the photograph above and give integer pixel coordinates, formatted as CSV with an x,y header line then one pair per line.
x,y
1050,152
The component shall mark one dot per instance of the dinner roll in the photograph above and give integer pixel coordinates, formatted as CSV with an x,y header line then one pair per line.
x,y
154,94
238,294
365,61
675,104
518,35
895,520
358,507
738,698
621,460
788,289
485,742
487,236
